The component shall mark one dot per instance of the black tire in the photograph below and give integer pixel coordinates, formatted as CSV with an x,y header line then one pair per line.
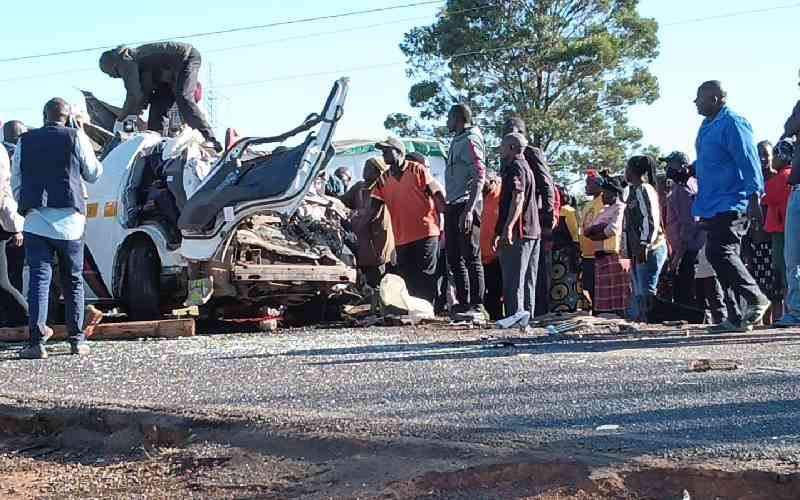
x,y
142,288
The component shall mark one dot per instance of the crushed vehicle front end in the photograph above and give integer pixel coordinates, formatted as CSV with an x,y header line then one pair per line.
x,y
255,234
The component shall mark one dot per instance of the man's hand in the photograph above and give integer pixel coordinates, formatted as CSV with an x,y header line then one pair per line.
x,y
495,244
465,221
17,240
507,238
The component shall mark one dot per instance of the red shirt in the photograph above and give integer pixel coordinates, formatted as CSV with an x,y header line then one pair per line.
x,y
491,212
411,208
776,199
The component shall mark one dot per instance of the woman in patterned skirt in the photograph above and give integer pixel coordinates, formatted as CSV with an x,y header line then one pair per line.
x,y
612,273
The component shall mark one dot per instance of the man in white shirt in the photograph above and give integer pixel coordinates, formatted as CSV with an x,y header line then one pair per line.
x,y
47,176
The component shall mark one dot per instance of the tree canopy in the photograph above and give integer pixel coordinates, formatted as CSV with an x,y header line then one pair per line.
x,y
570,68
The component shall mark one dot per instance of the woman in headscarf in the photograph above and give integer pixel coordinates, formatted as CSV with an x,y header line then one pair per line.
x,y
646,243
612,291
373,231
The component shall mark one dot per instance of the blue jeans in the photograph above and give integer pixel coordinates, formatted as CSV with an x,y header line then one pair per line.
x,y
644,280
40,253
791,256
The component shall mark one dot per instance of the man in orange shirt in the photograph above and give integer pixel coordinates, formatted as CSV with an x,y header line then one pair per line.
x,y
415,201
492,273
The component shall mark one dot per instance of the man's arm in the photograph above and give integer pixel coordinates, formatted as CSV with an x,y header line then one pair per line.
x,y
517,202
16,172
11,220
437,193
135,100
545,187
475,158
91,168
741,146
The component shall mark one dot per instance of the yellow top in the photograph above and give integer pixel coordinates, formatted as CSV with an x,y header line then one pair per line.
x,y
591,211
571,220
611,216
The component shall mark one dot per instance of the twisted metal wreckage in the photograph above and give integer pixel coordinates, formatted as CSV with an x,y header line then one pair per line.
x,y
174,225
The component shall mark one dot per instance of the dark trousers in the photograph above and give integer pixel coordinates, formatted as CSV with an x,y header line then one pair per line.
x,y
493,300
41,254
519,263
442,280
12,307
723,249
710,297
416,263
684,285
183,94
544,277
587,276
464,256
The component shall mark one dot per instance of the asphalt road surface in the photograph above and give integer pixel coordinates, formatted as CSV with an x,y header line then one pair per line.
x,y
450,384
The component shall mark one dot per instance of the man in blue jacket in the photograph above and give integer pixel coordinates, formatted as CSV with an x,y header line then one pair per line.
x,y
47,176
729,177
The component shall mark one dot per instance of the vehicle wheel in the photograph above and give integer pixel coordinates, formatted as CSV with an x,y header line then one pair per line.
x,y
142,284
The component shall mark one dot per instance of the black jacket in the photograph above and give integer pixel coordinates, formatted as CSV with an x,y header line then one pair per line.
x,y
145,68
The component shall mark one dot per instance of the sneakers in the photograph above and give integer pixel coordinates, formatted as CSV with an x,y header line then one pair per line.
x,y
730,327
36,351
755,313
81,349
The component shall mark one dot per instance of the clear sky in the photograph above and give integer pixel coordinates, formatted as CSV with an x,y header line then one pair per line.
x,y
752,54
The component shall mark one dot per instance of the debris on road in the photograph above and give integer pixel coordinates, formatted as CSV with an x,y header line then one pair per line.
x,y
397,302
518,320
705,365
168,329
608,428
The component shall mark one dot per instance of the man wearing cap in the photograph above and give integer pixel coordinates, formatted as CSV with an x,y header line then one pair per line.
x,y
414,200
464,177
683,233
159,75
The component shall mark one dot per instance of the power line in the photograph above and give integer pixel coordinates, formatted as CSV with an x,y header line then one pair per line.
x,y
230,30
368,67
384,65
733,14
259,44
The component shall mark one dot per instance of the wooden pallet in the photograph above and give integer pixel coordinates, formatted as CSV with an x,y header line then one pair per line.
x,y
166,329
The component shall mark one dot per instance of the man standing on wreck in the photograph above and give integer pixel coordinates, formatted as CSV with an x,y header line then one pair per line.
x,y
159,75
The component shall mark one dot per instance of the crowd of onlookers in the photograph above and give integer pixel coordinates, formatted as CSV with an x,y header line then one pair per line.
x,y
714,240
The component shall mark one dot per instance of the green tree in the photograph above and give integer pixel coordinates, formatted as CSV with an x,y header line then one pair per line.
x,y
570,68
